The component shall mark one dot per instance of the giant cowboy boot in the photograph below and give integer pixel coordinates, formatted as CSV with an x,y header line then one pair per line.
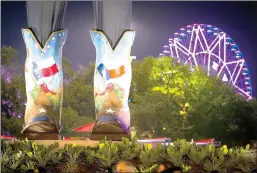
x,y
44,85
112,80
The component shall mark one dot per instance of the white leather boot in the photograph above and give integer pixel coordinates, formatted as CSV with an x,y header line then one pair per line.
x,y
112,81
44,82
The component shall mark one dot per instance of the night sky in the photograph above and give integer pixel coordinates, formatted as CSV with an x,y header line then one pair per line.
x,y
154,23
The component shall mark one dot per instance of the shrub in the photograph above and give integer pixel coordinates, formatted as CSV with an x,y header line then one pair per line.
x,y
22,156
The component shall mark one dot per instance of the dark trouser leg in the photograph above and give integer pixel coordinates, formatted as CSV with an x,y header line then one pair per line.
x,y
44,41
45,17
113,17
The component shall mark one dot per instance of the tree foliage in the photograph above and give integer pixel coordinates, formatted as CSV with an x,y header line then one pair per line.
x,y
172,100
7,55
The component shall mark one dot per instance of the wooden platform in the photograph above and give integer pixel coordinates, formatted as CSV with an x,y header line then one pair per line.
x,y
112,137
86,143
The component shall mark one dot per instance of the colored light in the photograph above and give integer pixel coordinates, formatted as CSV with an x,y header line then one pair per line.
x,y
231,55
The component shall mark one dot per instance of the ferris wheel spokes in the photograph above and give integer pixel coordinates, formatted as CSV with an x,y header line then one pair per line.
x,y
208,46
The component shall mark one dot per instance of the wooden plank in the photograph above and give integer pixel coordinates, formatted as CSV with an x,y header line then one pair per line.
x,y
86,143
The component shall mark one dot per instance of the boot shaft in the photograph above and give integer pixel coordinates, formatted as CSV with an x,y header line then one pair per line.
x,y
112,77
44,80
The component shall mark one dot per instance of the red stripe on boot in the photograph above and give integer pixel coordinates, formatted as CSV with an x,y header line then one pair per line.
x,y
50,71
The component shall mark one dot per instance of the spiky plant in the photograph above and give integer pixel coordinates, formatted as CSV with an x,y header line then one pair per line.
x,y
254,157
149,158
15,160
41,154
5,155
70,167
73,158
242,160
160,152
73,153
213,164
29,165
87,158
128,150
198,155
228,161
180,149
145,170
183,146
106,154
175,156
186,168
23,145
214,161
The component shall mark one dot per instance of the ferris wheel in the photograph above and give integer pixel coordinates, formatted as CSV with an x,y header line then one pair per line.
x,y
210,47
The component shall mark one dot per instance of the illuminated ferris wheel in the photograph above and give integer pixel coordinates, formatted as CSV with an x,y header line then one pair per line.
x,y
213,49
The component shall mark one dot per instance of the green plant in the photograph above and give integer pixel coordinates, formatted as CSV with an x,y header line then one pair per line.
x,y
244,164
12,160
134,133
73,158
42,155
70,167
198,155
178,152
5,154
24,145
87,158
160,152
254,158
29,165
242,159
147,169
183,146
106,154
26,155
148,157
186,168
55,157
174,156
73,153
128,149
214,162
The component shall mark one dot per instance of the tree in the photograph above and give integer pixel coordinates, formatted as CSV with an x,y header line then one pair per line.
x,y
140,75
79,94
158,102
13,105
68,71
7,55
183,103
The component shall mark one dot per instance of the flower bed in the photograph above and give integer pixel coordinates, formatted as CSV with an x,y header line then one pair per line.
x,y
27,156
